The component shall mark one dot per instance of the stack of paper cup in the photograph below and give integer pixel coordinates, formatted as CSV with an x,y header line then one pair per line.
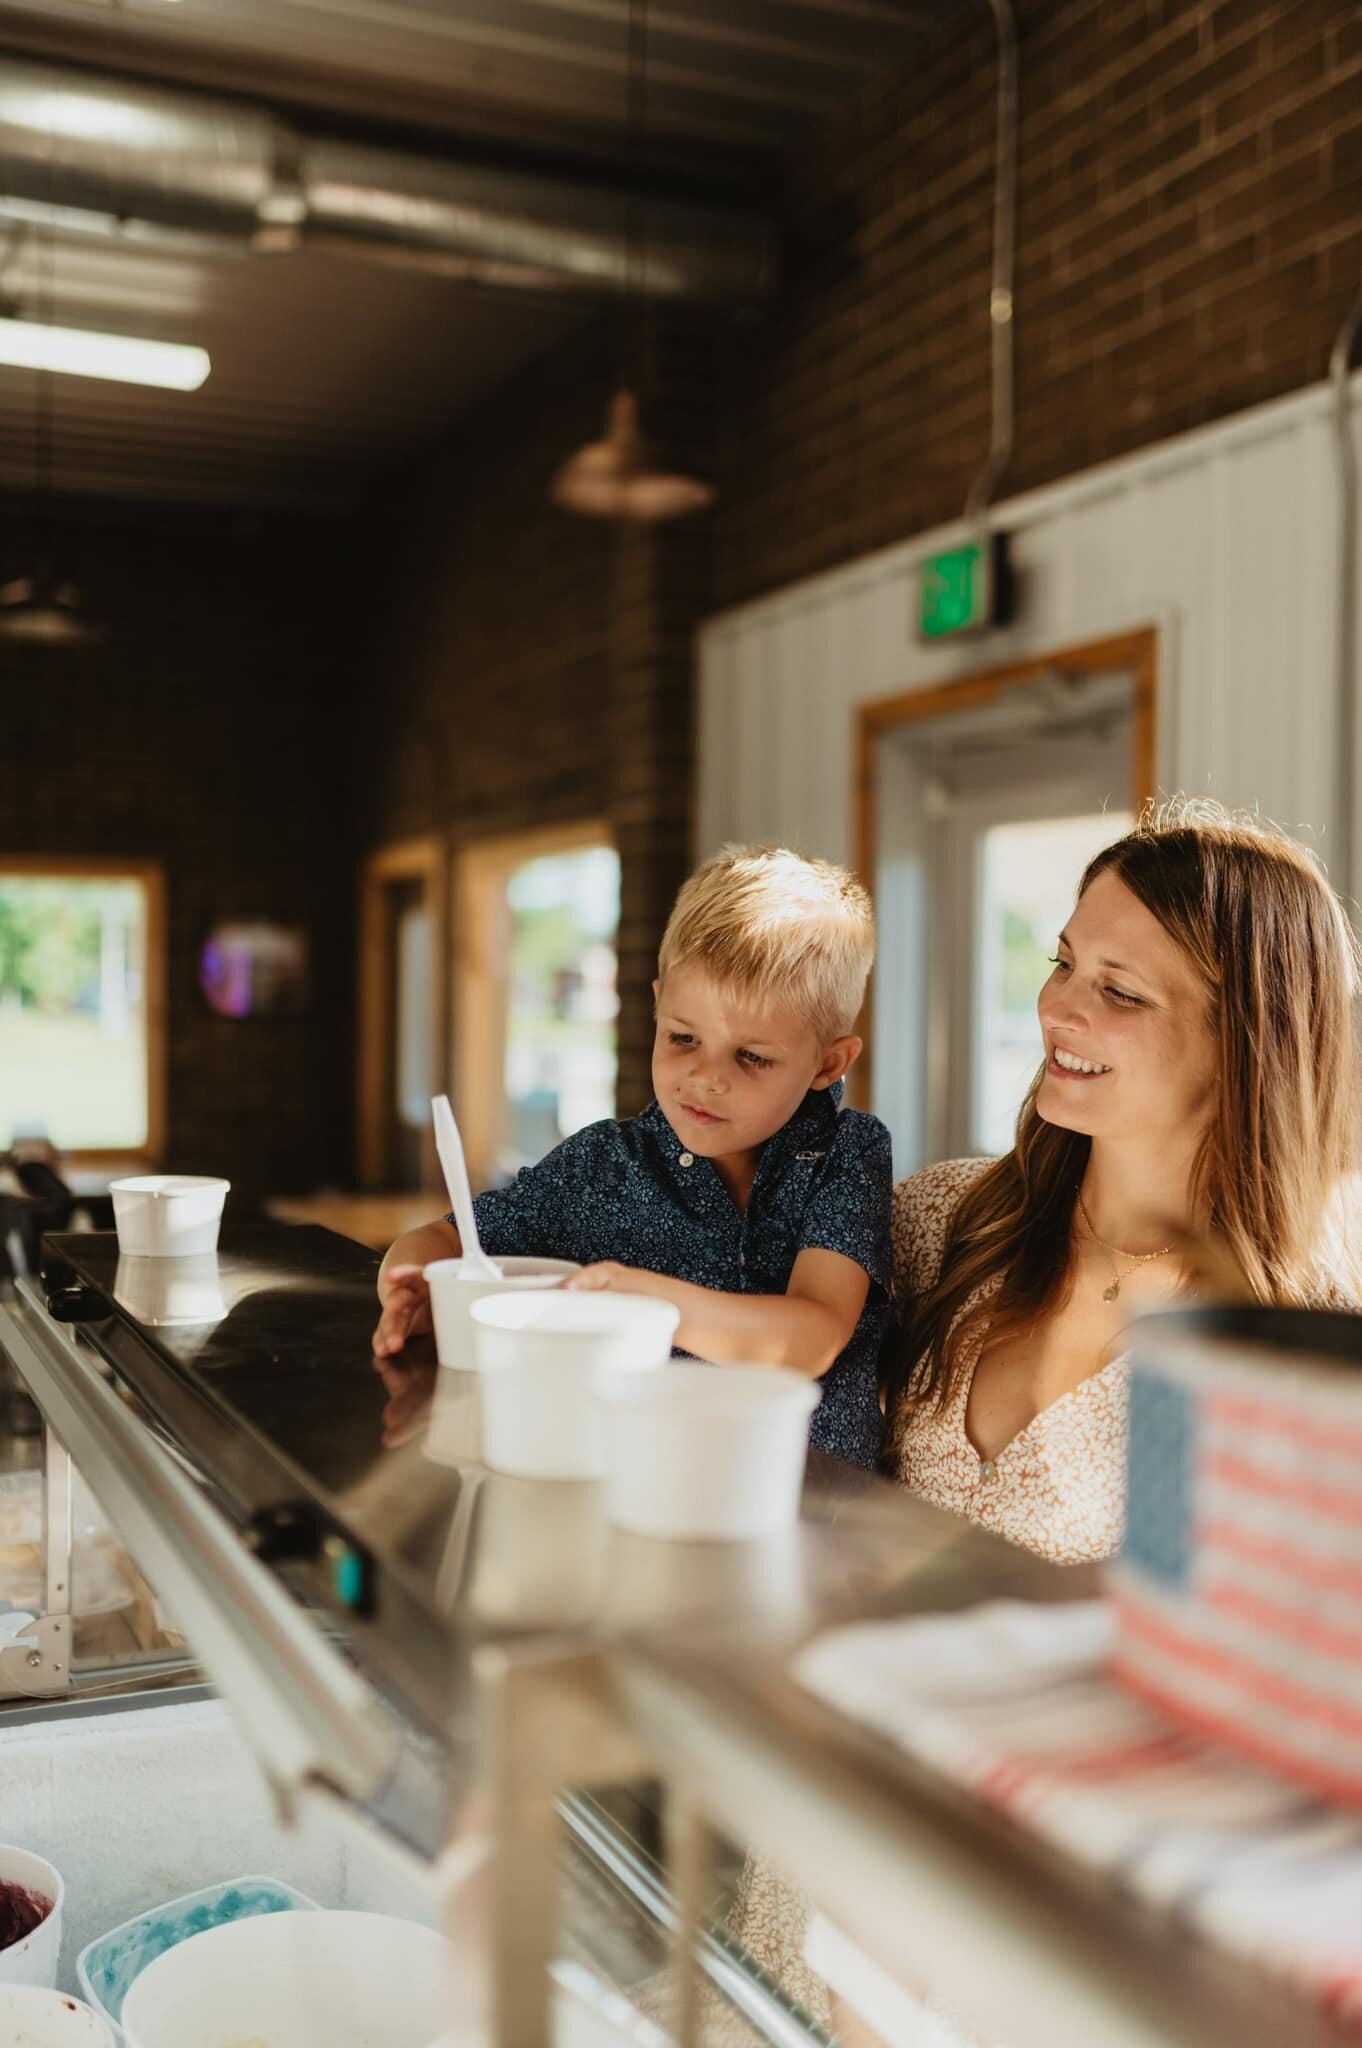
x,y
453,1292
706,1451
168,1215
542,1356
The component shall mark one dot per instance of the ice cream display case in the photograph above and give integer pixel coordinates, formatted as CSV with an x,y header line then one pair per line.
x,y
636,1782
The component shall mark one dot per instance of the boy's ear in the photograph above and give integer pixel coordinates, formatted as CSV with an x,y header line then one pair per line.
x,y
837,1057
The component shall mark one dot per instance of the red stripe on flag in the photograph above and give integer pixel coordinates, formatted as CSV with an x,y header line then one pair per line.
x,y
1345,1644
1328,1502
1225,1733
1264,1685
1341,1995
1005,1783
1330,1575
1242,1411
1152,1753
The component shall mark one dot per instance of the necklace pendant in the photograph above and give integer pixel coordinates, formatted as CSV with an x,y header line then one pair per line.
x,y
1110,1293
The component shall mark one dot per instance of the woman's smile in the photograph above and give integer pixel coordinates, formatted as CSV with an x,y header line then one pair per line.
x,y
1071,1066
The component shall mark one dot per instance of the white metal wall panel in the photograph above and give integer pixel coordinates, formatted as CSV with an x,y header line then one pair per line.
x,y
1224,539
1316,749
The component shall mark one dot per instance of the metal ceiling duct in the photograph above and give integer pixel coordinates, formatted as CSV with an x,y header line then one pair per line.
x,y
78,140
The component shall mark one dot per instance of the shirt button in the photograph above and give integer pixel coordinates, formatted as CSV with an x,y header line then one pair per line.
x,y
987,1471
687,1159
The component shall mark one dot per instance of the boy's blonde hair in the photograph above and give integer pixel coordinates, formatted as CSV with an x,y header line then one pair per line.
x,y
775,927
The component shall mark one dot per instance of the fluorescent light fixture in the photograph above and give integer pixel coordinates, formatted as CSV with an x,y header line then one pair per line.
x,y
76,352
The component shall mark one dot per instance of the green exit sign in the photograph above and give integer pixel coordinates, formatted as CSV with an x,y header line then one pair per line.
x,y
964,589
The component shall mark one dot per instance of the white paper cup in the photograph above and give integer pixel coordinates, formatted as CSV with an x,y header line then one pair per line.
x,y
34,1959
294,1980
541,1356
706,1452
168,1215
40,2018
180,1290
452,1297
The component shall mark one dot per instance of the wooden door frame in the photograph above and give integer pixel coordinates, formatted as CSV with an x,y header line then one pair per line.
x,y
151,875
477,1011
424,860
1135,653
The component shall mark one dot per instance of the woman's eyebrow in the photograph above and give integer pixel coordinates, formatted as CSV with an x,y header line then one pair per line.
x,y
1116,966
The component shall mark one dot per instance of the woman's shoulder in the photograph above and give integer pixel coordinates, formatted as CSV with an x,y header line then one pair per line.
x,y
949,1177
1337,1278
1336,1290
924,1203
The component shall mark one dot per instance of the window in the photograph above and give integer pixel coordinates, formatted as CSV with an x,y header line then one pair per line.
x,y
560,1027
1026,878
402,997
534,993
80,964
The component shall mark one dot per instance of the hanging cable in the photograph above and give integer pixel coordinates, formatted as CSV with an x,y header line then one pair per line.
x,y
1000,300
617,478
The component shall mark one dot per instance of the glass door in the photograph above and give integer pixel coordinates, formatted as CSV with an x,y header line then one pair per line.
x,y
988,818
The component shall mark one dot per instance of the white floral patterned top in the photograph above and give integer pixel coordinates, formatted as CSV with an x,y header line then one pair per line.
x,y
1058,1487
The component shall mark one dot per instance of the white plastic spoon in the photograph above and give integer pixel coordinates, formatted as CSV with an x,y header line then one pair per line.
x,y
449,1145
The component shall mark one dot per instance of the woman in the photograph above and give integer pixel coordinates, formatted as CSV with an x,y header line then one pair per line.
x,y
1200,1087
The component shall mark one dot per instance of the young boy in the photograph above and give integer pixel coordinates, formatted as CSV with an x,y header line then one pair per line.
x,y
745,1195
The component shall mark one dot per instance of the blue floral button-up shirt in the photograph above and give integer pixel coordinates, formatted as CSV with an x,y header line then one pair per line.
x,y
631,1192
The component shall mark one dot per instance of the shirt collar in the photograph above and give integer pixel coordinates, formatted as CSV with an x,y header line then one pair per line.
x,y
810,1129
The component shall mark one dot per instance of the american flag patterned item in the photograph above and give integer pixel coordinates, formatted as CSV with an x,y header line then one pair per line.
x,y
1014,1701
1238,1592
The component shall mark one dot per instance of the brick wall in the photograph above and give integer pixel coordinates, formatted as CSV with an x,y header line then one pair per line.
x,y
210,730
1189,238
535,667
490,683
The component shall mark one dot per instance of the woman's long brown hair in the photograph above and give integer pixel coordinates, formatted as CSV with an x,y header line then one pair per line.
x,y
1279,964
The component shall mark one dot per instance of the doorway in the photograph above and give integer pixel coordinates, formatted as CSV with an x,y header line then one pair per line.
x,y
981,804
401,1013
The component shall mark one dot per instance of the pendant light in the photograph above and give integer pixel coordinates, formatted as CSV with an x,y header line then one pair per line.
x,y
41,609
41,606
616,477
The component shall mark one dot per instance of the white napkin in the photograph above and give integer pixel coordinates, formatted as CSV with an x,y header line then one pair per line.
x,y
1012,1700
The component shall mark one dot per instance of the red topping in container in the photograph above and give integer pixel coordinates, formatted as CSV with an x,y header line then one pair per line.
x,y
20,1912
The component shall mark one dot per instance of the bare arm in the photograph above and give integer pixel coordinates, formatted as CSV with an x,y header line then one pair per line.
x,y
806,1328
404,1298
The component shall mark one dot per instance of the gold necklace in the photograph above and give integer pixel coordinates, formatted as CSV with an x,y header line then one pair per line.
x,y
1114,1253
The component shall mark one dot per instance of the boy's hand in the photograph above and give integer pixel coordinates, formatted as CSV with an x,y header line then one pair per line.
x,y
406,1309
607,1276
403,1297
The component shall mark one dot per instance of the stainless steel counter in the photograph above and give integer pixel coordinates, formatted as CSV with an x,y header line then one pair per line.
x,y
363,1490
328,1538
